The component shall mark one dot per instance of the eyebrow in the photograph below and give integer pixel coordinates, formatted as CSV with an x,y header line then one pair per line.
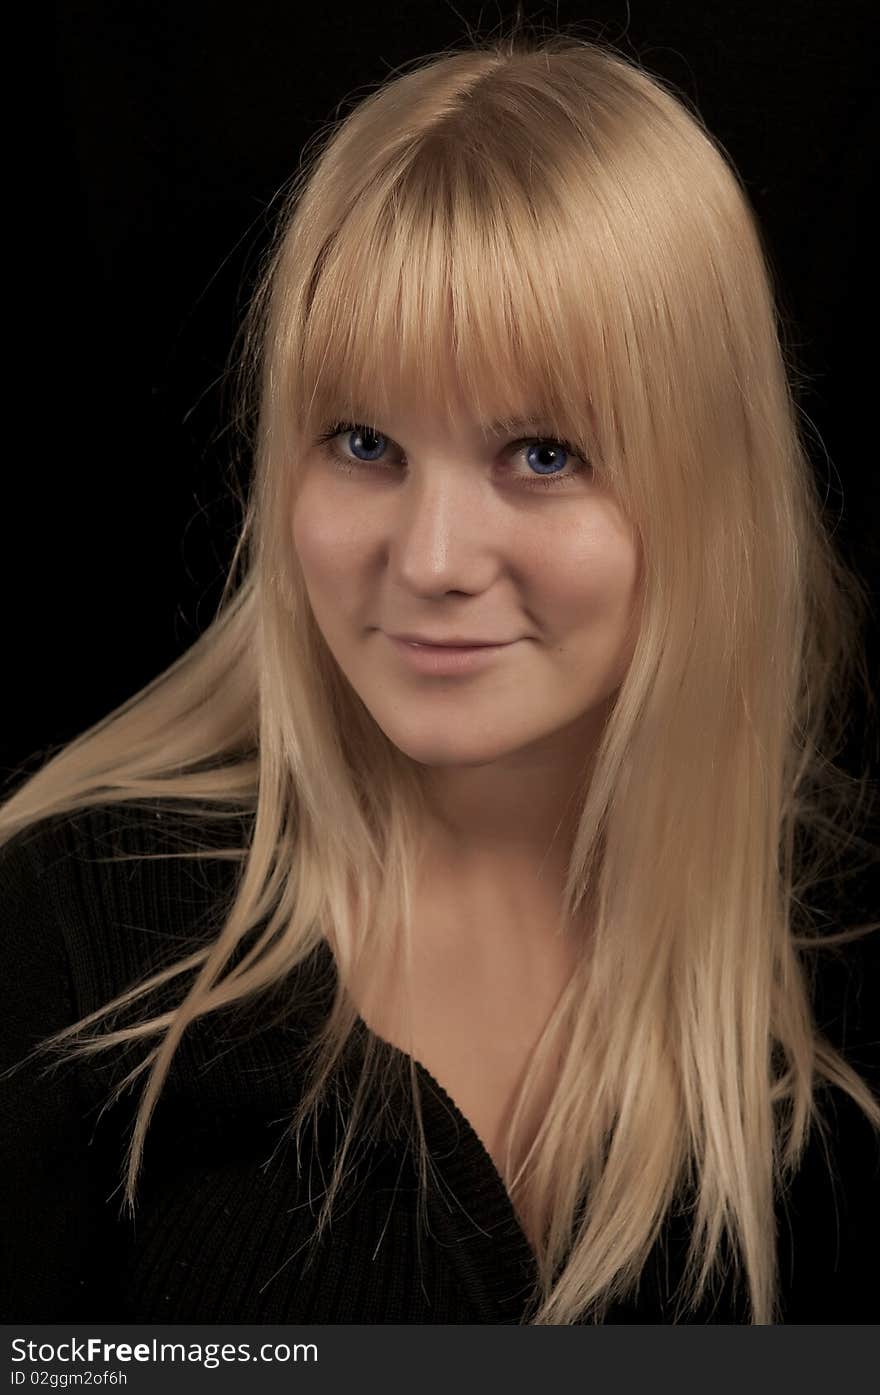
x,y
519,423
496,426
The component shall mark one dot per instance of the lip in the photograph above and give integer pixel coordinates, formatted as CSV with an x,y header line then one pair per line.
x,y
447,659
456,642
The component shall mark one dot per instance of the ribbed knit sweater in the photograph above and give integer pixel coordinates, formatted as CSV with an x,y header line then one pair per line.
x,y
221,1234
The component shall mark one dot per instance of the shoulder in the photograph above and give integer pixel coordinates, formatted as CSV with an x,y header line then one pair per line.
x,y
104,889
829,1218
94,903
38,996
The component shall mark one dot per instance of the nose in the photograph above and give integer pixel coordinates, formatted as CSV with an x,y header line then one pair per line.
x,y
443,536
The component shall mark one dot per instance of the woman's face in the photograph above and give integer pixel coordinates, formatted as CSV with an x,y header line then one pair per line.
x,y
420,527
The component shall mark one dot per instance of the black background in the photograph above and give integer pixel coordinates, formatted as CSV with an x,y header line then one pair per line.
x,y
174,127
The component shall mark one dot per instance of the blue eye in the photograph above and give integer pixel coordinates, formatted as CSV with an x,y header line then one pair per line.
x,y
373,442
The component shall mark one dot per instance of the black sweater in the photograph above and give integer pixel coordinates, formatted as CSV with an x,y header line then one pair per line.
x,y
219,1236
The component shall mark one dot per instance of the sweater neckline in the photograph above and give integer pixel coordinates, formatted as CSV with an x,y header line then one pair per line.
x,y
477,1219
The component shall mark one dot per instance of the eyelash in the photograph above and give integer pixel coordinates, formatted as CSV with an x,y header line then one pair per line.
x,y
348,466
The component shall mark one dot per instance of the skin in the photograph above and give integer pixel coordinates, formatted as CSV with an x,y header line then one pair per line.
x,y
448,537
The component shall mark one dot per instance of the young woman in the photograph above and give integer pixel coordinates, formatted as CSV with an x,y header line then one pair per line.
x,y
441,898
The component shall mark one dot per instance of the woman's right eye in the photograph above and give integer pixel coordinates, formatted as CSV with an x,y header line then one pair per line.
x,y
368,434
371,440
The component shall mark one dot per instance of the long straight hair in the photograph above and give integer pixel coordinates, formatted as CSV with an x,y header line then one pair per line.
x,y
539,219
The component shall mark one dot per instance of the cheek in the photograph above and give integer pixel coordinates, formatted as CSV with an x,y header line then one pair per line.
x,y
323,536
591,600
593,579
624,600
306,540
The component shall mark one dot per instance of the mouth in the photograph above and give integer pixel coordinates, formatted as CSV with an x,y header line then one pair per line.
x,y
447,659
455,642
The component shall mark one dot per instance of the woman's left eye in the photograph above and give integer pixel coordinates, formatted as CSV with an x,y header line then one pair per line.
x,y
536,450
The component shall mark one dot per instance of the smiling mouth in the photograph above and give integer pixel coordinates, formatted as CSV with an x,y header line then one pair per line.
x,y
447,660
452,643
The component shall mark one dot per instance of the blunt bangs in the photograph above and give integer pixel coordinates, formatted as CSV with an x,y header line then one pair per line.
x,y
415,301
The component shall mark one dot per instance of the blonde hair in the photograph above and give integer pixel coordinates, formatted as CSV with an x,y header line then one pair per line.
x,y
522,217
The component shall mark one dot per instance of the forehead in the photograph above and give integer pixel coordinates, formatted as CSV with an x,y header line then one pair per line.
x,y
360,371
436,397
428,417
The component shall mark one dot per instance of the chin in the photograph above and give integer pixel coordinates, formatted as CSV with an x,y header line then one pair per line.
x,y
449,752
